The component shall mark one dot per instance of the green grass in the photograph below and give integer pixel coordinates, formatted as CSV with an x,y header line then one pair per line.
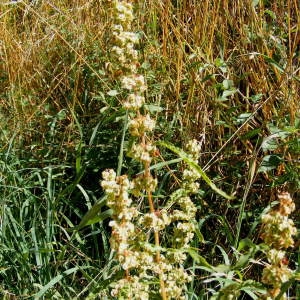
x,y
225,73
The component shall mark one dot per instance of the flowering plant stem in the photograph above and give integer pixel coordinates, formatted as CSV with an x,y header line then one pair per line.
x,y
148,270
156,234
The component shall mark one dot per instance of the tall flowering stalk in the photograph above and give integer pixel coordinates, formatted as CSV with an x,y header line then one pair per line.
x,y
125,238
149,268
278,231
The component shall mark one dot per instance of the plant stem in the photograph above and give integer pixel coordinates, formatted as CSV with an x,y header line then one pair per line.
x,y
121,153
156,235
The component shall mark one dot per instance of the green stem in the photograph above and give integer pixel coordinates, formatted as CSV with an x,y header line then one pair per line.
x,y
242,208
121,153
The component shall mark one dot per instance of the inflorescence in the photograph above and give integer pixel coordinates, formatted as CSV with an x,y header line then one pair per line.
x,y
150,268
278,232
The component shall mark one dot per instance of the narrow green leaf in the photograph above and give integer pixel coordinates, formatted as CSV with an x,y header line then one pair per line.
x,y
225,256
94,134
199,235
84,193
38,258
198,258
274,63
55,280
196,167
249,292
251,133
121,153
71,187
100,217
160,165
78,159
93,215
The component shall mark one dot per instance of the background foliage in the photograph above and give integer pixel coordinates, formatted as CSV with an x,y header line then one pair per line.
x,y
223,72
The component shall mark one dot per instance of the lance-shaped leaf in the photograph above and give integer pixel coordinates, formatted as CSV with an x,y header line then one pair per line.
x,y
94,215
195,167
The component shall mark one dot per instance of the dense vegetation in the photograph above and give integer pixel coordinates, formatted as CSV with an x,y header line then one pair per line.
x,y
224,73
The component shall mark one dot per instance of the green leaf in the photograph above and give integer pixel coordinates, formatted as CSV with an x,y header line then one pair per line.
x,y
198,258
61,115
199,235
220,63
227,84
256,98
251,133
277,132
55,280
153,108
245,243
160,165
269,144
226,94
250,286
94,215
271,14
112,93
242,118
274,63
242,261
89,220
269,162
297,275
70,188
225,256
222,268
284,287
220,123
196,167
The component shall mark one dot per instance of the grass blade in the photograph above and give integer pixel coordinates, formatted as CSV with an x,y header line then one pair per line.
x,y
55,280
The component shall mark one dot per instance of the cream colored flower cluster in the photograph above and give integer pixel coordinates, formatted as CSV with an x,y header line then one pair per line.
x,y
136,289
278,231
126,57
132,82
123,229
136,232
182,220
127,238
278,228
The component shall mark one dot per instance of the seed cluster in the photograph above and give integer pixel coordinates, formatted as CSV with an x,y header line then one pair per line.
x,y
278,231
